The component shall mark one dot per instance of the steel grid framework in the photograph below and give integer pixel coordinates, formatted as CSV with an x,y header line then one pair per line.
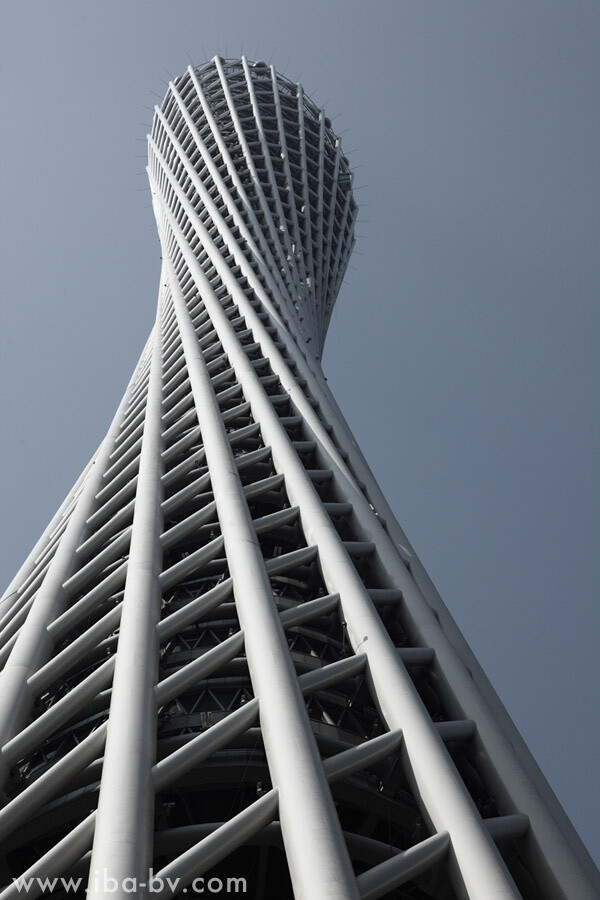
x,y
223,656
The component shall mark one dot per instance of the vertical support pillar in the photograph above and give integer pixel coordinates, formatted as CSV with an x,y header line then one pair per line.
x,y
317,856
124,826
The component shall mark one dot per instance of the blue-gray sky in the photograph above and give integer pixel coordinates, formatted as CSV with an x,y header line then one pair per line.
x,y
463,348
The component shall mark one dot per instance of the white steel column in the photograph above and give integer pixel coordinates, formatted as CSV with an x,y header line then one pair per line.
x,y
124,825
318,859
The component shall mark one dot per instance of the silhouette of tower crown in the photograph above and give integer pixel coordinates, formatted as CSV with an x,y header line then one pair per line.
x,y
222,663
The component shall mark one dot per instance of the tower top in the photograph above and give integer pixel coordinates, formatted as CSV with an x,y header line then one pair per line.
x,y
262,162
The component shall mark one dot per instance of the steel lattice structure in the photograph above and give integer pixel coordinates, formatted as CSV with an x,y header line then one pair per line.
x,y
223,655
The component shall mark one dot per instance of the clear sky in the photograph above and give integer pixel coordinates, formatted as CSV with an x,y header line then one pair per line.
x,y
464,346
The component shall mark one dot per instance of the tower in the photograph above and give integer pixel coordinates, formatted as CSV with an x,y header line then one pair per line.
x,y
222,658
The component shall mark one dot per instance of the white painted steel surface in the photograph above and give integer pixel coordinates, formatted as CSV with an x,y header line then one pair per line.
x,y
225,601
124,821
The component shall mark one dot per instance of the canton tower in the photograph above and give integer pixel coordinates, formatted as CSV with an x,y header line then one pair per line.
x,y
222,659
